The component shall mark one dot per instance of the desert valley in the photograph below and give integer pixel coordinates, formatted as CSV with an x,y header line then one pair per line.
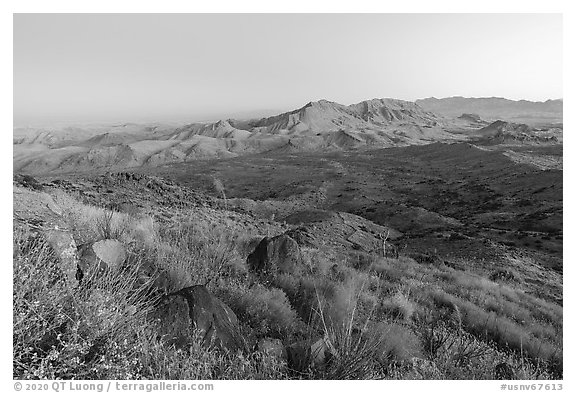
x,y
383,239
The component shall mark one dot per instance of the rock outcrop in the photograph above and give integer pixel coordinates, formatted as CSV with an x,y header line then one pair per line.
x,y
193,312
280,254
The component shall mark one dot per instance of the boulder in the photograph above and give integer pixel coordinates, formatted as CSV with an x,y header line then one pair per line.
x,y
280,254
101,256
195,311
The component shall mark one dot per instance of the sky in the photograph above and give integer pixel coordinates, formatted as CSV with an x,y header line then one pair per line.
x,y
161,67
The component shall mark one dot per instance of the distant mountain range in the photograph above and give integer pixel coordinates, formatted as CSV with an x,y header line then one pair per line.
x,y
495,108
317,126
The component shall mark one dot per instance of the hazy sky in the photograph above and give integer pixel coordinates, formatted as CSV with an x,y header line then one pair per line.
x,y
109,67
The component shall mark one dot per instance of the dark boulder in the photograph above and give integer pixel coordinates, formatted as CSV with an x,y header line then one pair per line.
x,y
280,254
194,311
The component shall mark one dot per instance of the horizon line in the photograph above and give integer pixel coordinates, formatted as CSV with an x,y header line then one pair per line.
x,y
177,118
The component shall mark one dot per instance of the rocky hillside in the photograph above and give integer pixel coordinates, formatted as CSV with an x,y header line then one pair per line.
x,y
502,132
325,116
129,276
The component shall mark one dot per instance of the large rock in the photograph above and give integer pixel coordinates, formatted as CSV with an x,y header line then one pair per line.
x,y
195,311
280,254
101,256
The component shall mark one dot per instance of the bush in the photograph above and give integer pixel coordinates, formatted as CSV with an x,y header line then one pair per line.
x,y
109,228
398,342
266,311
86,333
399,307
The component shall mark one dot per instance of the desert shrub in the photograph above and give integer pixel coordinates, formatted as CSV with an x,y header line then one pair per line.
x,y
90,223
360,260
85,333
399,306
398,342
319,263
388,271
354,354
266,311
160,361
192,255
143,230
109,228
506,334
508,309
357,296
502,274
303,294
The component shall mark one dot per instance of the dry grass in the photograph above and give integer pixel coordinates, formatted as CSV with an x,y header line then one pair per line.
x,y
379,317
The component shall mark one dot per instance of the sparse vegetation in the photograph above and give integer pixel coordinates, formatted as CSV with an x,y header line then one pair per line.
x,y
372,316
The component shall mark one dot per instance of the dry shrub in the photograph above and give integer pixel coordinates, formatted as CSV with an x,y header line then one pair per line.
x,y
502,331
111,226
85,333
398,342
360,260
90,223
266,311
160,361
353,353
399,306
192,255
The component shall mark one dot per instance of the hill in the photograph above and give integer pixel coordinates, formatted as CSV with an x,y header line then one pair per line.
x,y
317,126
495,108
502,132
